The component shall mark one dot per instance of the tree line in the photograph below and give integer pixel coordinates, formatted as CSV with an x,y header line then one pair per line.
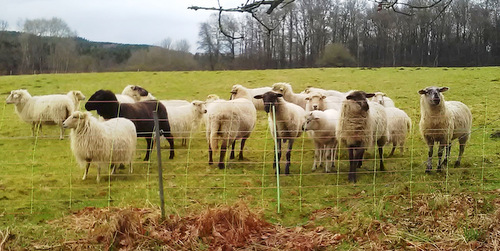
x,y
311,33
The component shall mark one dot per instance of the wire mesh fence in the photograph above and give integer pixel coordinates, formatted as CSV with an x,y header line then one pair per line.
x,y
40,175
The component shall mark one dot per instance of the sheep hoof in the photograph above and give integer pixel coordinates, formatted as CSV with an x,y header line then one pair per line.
x,y
221,166
352,177
457,164
427,171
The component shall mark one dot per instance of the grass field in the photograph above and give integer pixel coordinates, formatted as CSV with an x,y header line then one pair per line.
x,y
40,180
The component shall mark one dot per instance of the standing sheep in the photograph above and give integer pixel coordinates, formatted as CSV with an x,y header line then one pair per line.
x,y
185,119
38,110
109,142
362,123
137,93
398,125
382,99
76,96
141,113
229,120
319,101
289,95
443,121
239,91
323,124
289,121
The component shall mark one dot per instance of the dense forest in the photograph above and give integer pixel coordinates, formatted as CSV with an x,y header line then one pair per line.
x,y
305,33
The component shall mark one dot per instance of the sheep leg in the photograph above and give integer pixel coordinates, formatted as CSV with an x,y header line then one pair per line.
x,y
242,145
381,155
98,173
440,155
462,141
130,168
113,168
231,156
328,158
429,159
170,140
148,148
223,148
277,160
316,156
61,132
392,151
288,155
86,171
210,154
184,141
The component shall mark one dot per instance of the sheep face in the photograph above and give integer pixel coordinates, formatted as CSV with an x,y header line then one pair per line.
x,y
78,94
98,98
314,101
269,99
281,87
379,97
75,119
234,91
312,122
199,106
16,96
433,94
360,97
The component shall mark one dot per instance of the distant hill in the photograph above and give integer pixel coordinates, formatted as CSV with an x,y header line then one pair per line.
x,y
22,53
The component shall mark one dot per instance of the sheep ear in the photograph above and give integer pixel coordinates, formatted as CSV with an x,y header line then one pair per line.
x,y
323,97
257,97
443,89
422,92
349,97
370,95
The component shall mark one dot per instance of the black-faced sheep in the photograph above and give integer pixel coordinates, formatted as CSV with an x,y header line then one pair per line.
x,y
323,125
443,121
288,94
229,120
38,110
109,142
362,123
141,113
239,91
288,118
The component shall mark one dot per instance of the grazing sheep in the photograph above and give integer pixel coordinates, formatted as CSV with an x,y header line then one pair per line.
x,y
137,93
289,119
229,120
362,123
76,96
108,142
289,95
323,124
382,99
398,125
185,119
443,121
141,113
239,91
38,110
319,101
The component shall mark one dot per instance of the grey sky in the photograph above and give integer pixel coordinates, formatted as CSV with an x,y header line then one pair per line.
x,y
120,21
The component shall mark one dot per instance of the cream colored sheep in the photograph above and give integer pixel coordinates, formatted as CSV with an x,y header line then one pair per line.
x,y
288,118
109,142
398,125
239,91
362,123
76,96
185,120
319,101
382,99
443,121
41,110
289,95
323,124
229,120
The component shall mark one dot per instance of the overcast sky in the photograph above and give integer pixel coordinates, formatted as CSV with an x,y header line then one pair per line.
x,y
120,21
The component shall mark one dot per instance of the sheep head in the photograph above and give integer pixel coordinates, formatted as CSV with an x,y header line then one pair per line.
x,y
199,106
17,96
281,87
314,100
104,102
75,119
311,122
360,97
433,95
270,99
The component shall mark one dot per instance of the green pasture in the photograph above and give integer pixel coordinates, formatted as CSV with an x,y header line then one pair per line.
x,y
40,179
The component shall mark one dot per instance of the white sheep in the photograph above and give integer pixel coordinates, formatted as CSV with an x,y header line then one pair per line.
x,y
76,96
174,102
288,118
239,91
362,123
310,90
319,101
185,119
38,110
289,95
382,99
109,142
443,121
398,125
229,120
323,124
137,93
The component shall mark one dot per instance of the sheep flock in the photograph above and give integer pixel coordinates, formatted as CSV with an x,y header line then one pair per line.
x,y
343,125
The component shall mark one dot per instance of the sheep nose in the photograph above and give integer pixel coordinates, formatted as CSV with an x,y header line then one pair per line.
x,y
315,107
